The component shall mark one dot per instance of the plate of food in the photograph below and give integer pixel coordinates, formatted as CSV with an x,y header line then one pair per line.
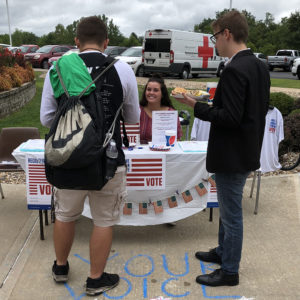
x,y
159,147
198,95
178,91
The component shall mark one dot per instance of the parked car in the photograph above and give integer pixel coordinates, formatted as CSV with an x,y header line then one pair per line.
x,y
296,67
283,59
133,56
13,49
262,57
40,58
28,48
55,58
4,46
114,50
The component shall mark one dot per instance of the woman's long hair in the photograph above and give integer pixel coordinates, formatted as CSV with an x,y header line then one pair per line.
x,y
165,99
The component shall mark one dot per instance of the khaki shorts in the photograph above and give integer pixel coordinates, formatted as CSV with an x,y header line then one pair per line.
x,y
105,205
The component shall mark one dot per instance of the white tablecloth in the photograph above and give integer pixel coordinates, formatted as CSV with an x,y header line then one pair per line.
x,y
184,171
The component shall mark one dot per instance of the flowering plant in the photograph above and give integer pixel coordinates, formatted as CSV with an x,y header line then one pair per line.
x,y
14,71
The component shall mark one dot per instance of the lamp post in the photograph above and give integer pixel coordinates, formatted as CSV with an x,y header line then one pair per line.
x,y
230,6
10,41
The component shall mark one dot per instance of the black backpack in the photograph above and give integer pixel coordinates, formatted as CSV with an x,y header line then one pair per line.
x,y
76,143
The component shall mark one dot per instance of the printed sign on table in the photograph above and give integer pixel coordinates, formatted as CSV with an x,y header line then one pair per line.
x,y
212,200
162,121
147,172
38,188
132,131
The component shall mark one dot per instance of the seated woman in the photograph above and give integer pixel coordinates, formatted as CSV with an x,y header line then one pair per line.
x,y
155,97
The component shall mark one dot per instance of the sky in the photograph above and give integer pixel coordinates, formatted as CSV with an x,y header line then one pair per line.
x,y
41,17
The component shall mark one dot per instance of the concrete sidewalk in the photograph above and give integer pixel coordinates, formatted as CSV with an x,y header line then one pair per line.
x,y
159,260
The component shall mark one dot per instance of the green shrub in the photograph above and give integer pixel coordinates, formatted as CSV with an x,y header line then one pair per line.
x,y
291,132
283,102
297,103
295,111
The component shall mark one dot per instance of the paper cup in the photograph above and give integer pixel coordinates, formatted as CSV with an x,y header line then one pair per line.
x,y
211,89
170,137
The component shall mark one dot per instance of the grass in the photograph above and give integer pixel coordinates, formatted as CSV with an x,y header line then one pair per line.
x,y
275,82
285,83
212,79
29,115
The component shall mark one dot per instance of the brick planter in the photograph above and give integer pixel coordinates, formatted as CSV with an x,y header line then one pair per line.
x,y
14,99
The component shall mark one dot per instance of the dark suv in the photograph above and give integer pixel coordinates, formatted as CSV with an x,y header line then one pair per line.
x,y
114,50
39,59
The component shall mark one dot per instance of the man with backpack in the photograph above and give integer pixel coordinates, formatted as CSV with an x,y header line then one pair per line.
x,y
116,88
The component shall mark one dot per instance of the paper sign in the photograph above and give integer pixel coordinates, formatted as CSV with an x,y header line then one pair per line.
x,y
133,132
162,121
146,172
212,200
193,146
38,188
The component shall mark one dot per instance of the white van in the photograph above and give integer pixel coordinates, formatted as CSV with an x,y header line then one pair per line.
x,y
179,52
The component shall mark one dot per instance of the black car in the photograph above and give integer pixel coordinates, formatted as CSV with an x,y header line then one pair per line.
x,y
114,50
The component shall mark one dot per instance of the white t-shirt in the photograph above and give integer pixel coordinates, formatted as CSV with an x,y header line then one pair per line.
x,y
131,108
200,130
274,134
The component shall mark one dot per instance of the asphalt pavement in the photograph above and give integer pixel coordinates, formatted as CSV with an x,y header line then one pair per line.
x,y
159,260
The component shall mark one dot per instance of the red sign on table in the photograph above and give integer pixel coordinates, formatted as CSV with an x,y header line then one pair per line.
x,y
146,172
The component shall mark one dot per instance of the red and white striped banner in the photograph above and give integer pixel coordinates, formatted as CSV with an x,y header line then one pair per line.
x,y
133,132
146,172
212,200
38,188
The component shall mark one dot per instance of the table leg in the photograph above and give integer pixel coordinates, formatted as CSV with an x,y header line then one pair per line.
x,y
253,183
210,214
1,191
257,192
46,217
41,225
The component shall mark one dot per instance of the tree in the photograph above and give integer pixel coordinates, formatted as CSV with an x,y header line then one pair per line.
x,y
133,40
47,39
252,47
60,35
141,39
71,31
293,24
269,21
4,39
265,35
221,13
20,37
204,26
115,36
250,18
